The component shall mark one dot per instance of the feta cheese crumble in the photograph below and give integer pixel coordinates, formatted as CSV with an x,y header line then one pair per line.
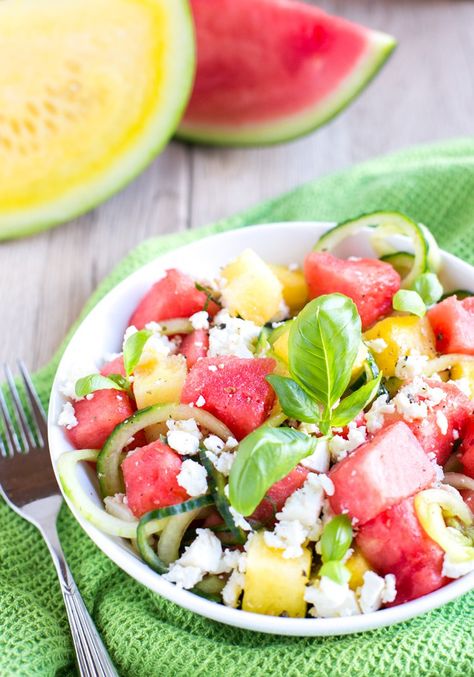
x,y
67,417
409,366
331,599
453,569
193,478
340,447
374,418
442,422
232,336
376,591
200,402
200,320
184,443
377,345
202,556
319,460
72,375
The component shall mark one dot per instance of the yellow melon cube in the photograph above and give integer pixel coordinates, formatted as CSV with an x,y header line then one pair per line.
x,y
358,566
160,380
294,287
280,347
400,336
251,289
275,585
464,370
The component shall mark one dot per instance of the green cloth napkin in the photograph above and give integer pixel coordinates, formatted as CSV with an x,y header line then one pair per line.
x,y
149,636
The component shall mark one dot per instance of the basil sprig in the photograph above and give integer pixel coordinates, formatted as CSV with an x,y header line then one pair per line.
x,y
428,286
323,344
263,458
89,384
133,348
335,541
409,301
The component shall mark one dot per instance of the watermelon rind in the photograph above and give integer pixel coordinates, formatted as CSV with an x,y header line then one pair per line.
x,y
179,63
379,48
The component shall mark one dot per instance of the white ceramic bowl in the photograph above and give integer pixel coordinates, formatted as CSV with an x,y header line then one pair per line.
x,y
101,332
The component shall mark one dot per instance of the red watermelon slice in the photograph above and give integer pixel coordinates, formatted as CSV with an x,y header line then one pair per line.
x,y
271,70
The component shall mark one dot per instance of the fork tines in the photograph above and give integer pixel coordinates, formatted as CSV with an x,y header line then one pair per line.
x,y
24,422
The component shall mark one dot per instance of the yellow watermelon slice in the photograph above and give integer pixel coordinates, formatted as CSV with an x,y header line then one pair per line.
x,y
272,70
90,92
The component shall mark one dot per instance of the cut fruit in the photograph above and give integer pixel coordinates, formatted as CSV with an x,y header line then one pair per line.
x,y
93,91
271,70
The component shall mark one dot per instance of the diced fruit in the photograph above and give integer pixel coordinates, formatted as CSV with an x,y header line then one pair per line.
x,y
408,335
464,370
276,496
280,346
236,393
91,106
294,287
97,416
150,474
395,542
175,295
251,289
115,366
160,380
436,431
274,585
269,71
453,324
466,450
358,566
381,473
371,284
195,346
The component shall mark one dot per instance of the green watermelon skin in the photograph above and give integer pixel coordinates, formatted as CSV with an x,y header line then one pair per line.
x,y
272,70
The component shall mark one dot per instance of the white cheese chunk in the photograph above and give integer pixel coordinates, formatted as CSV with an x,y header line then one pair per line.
x,y
192,477
67,417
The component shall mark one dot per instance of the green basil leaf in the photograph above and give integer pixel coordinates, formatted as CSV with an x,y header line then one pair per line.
x,y
295,402
336,571
89,384
350,406
323,345
264,457
133,348
336,538
409,301
428,286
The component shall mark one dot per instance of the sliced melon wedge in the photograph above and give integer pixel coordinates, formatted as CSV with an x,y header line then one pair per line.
x,y
272,70
90,92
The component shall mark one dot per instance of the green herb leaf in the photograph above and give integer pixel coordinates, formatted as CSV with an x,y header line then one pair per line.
x,y
264,457
89,384
428,286
350,406
323,345
336,538
209,294
133,348
295,402
336,571
409,301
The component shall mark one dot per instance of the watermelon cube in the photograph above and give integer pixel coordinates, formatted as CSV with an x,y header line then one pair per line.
x,y
394,542
444,422
194,346
115,366
150,475
234,390
380,473
174,296
453,325
466,450
370,283
97,417
276,496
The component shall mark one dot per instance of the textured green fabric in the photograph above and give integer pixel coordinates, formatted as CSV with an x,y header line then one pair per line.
x,y
149,636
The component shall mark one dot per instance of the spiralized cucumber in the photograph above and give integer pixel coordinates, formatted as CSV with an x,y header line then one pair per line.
x,y
67,466
401,261
384,226
176,326
445,362
109,460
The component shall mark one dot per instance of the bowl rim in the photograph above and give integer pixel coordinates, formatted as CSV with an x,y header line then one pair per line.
x,y
123,556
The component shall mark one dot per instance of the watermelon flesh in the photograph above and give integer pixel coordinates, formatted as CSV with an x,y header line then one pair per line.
x,y
270,70
466,450
276,496
115,366
174,296
371,284
97,417
234,390
394,542
455,408
380,473
150,476
194,346
453,325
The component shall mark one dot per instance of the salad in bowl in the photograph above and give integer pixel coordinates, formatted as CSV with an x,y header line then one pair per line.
x,y
290,440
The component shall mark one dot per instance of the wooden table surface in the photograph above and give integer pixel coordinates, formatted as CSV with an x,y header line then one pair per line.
x,y
425,93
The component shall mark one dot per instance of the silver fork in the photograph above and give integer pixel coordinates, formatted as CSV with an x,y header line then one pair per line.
x,y
28,485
